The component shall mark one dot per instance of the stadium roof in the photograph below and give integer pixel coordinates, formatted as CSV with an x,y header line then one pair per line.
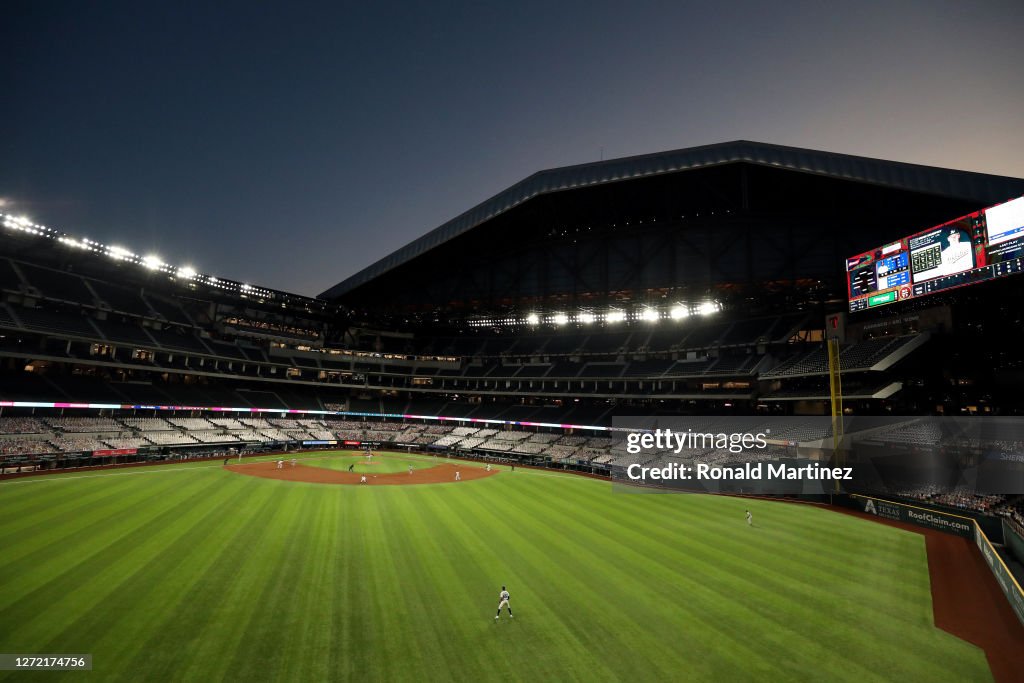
x,y
980,187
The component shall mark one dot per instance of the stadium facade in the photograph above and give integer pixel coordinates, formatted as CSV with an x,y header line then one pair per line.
x,y
685,282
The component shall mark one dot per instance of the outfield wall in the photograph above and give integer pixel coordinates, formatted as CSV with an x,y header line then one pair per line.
x,y
929,518
958,525
1004,577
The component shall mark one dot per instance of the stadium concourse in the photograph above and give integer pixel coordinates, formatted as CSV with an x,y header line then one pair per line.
x,y
703,282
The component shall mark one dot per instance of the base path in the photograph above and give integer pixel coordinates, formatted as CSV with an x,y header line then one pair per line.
x,y
966,600
439,474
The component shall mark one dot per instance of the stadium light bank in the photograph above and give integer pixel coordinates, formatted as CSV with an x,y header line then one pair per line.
x,y
649,314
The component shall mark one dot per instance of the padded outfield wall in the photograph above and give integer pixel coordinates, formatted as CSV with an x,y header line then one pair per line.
x,y
945,522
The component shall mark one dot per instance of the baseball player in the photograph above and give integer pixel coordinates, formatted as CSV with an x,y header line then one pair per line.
x,y
458,476
488,467
410,469
362,479
294,461
351,467
503,602
280,464
750,519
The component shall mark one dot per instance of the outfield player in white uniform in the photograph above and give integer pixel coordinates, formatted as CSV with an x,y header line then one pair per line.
x,y
750,519
503,602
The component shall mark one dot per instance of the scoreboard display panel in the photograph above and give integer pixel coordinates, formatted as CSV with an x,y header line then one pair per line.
x,y
974,248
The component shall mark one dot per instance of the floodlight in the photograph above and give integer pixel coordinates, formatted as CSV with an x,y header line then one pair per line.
x,y
707,308
533,319
152,262
119,253
186,272
650,315
586,318
679,312
615,316
560,318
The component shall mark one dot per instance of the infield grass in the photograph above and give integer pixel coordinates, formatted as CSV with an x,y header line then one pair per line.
x,y
194,573
389,464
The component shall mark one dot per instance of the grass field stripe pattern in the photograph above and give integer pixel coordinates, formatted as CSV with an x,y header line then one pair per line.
x,y
221,576
653,571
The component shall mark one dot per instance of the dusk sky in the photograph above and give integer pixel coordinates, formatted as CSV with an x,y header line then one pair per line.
x,y
291,145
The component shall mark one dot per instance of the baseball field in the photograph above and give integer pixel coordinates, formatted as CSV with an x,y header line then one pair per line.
x,y
200,572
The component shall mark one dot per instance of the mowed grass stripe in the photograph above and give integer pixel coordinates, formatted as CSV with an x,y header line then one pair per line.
x,y
767,608
310,650
43,505
207,611
731,584
656,583
515,648
779,607
457,597
912,579
397,606
725,534
418,606
185,550
718,522
578,591
69,512
147,573
491,555
69,560
273,627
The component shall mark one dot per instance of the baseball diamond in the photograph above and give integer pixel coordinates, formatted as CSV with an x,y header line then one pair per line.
x,y
272,578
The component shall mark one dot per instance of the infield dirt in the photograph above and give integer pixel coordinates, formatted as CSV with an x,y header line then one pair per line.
x,y
438,474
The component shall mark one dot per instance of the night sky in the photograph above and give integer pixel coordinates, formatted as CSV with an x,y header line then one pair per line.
x,y
291,145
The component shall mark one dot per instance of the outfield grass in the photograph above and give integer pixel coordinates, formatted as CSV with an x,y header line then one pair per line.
x,y
190,572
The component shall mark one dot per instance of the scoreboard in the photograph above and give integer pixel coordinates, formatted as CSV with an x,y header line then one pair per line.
x,y
974,248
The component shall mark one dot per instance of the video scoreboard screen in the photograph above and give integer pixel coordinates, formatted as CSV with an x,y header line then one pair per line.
x,y
974,248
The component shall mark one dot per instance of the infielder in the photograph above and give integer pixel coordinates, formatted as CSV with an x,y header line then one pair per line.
x,y
362,479
503,602
280,464
294,461
458,476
